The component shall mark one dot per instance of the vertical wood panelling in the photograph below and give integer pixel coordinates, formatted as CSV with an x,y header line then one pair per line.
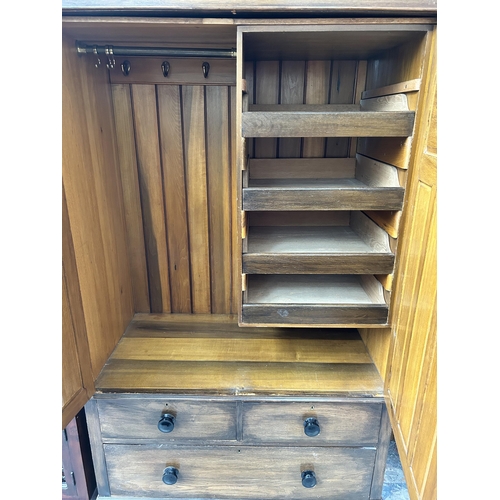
x,y
219,200
174,181
153,207
292,92
249,71
196,176
266,92
316,92
131,195
183,138
342,87
235,220
411,383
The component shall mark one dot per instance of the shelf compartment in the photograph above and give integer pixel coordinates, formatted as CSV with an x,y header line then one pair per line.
x,y
364,184
360,247
338,300
325,120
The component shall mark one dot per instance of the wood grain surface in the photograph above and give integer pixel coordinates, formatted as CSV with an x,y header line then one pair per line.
x,y
226,472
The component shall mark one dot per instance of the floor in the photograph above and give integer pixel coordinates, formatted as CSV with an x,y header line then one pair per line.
x,y
394,481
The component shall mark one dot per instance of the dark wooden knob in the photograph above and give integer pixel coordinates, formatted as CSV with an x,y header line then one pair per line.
x,y
170,475
311,427
166,423
308,479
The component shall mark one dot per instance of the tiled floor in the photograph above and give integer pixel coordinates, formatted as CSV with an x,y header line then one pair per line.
x,y
394,480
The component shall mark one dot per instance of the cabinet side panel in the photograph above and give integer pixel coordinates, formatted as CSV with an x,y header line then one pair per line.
x,y
411,376
95,204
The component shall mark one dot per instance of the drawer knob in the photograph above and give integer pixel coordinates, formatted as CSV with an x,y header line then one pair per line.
x,y
308,479
311,427
166,423
170,475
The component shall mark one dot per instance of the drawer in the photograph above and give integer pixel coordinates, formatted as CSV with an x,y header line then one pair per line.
x,y
138,418
240,472
312,424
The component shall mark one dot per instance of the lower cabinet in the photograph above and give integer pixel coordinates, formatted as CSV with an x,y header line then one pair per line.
x,y
165,446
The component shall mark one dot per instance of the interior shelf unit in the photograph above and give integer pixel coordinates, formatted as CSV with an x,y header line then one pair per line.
x,y
313,253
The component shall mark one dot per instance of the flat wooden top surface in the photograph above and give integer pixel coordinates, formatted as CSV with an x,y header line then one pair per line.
x,y
210,354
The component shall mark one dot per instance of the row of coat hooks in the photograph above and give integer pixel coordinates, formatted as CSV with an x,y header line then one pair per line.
x,y
109,51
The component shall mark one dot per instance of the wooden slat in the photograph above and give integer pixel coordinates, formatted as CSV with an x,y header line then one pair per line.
x,y
316,92
124,126
408,86
182,71
314,315
249,71
193,98
266,92
151,185
219,201
310,263
342,194
301,168
239,377
235,205
292,92
172,156
217,348
342,87
359,87
327,124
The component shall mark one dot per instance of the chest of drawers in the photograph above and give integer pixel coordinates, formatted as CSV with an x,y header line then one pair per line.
x,y
274,420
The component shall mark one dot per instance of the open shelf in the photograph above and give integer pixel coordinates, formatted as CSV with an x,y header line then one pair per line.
x,y
314,300
210,354
358,247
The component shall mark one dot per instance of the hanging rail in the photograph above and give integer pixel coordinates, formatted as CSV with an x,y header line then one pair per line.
x,y
83,48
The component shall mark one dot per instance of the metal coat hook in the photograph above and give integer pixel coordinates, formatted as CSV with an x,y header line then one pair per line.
x,y
111,58
205,67
125,66
98,62
165,67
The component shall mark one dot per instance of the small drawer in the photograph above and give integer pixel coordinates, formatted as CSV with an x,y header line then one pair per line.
x,y
161,419
312,424
240,472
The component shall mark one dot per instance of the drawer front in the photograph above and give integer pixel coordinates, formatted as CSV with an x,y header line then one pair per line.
x,y
240,472
299,423
192,420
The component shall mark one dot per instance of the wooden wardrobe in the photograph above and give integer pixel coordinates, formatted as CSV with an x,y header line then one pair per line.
x,y
249,245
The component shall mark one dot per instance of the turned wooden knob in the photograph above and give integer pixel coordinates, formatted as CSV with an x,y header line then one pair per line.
x,y
311,427
308,479
166,423
170,475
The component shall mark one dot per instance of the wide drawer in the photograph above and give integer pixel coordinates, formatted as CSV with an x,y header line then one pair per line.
x,y
312,424
138,418
240,472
